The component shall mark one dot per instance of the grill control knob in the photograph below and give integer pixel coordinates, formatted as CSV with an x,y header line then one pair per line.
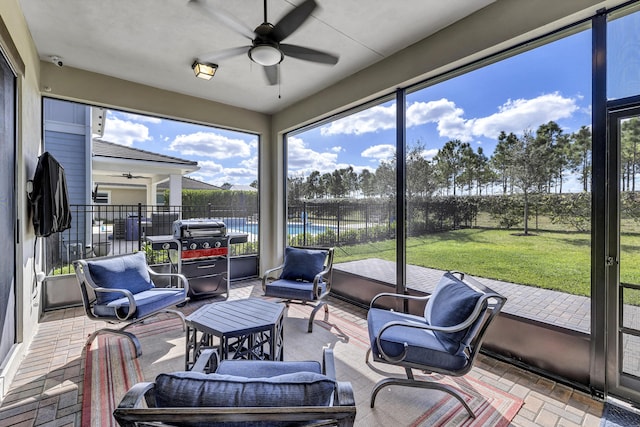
x,y
217,244
206,245
193,246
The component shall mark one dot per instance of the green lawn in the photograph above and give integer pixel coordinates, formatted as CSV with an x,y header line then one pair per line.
x,y
552,260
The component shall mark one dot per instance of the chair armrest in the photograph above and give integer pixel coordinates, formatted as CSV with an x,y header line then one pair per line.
x,y
328,363
344,394
181,277
398,296
127,293
267,274
135,394
209,357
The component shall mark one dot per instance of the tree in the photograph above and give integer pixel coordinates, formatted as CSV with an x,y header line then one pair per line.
x,y
501,160
582,149
529,171
484,175
295,189
420,179
254,184
367,183
630,144
386,178
467,161
314,185
554,147
447,162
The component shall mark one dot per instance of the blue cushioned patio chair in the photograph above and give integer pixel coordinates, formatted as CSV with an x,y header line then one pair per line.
x,y
120,289
305,278
445,340
255,393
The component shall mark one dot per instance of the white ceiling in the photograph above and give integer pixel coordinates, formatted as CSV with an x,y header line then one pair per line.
x,y
155,41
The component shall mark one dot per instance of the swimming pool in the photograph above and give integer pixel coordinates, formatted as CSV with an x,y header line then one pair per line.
x,y
292,229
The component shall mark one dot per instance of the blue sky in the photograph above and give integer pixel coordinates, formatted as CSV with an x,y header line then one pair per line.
x,y
552,82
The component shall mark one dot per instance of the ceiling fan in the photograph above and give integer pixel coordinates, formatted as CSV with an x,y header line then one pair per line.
x,y
129,176
266,47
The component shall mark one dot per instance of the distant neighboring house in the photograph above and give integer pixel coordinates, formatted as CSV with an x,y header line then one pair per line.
x,y
127,176
187,184
241,187
124,175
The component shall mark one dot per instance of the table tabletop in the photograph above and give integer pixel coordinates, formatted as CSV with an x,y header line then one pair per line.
x,y
236,317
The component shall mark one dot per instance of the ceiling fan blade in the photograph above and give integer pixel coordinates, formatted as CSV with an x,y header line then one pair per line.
x,y
292,20
272,74
219,55
308,54
224,18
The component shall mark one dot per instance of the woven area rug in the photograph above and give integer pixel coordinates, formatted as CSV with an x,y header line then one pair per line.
x,y
111,369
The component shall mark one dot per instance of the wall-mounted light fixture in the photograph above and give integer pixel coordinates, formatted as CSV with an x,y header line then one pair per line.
x,y
204,70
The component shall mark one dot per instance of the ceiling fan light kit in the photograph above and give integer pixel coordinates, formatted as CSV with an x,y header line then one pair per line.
x,y
266,55
204,70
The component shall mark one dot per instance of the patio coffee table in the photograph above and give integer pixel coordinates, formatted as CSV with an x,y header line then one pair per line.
x,y
245,329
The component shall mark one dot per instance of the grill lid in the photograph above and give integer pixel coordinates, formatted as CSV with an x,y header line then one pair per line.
x,y
198,227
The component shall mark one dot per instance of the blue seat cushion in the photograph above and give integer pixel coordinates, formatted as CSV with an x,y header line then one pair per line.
x,y
293,289
196,389
265,368
451,303
147,302
423,348
302,264
123,272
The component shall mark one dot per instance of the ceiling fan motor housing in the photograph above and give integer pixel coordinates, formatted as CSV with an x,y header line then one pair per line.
x,y
265,51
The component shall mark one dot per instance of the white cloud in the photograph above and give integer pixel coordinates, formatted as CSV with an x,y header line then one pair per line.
x,y
370,120
380,152
210,144
124,132
251,163
513,116
302,158
520,114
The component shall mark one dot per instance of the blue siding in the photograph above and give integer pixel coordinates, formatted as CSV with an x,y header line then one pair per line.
x,y
65,137
70,151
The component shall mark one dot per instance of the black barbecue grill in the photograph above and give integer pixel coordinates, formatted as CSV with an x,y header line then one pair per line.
x,y
201,238
204,254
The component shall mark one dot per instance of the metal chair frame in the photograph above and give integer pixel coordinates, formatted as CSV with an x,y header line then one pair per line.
x,y
488,305
325,276
88,289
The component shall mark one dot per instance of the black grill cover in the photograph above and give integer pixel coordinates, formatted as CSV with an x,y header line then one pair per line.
x,y
50,199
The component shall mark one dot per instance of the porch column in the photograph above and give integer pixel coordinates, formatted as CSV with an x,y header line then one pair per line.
x,y
175,190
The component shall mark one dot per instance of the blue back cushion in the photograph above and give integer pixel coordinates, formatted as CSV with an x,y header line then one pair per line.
x,y
451,303
302,264
125,272
196,389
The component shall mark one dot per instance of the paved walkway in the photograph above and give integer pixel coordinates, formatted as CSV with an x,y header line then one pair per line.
x,y
544,305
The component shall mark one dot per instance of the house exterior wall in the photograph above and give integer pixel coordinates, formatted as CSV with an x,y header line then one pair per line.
x,y
67,129
126,196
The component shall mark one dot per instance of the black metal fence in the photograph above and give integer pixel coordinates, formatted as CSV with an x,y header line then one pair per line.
x,y
113,229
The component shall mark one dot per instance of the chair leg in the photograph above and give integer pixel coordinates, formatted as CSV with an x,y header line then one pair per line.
x,y
129,335
314,311
180,315
419,384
